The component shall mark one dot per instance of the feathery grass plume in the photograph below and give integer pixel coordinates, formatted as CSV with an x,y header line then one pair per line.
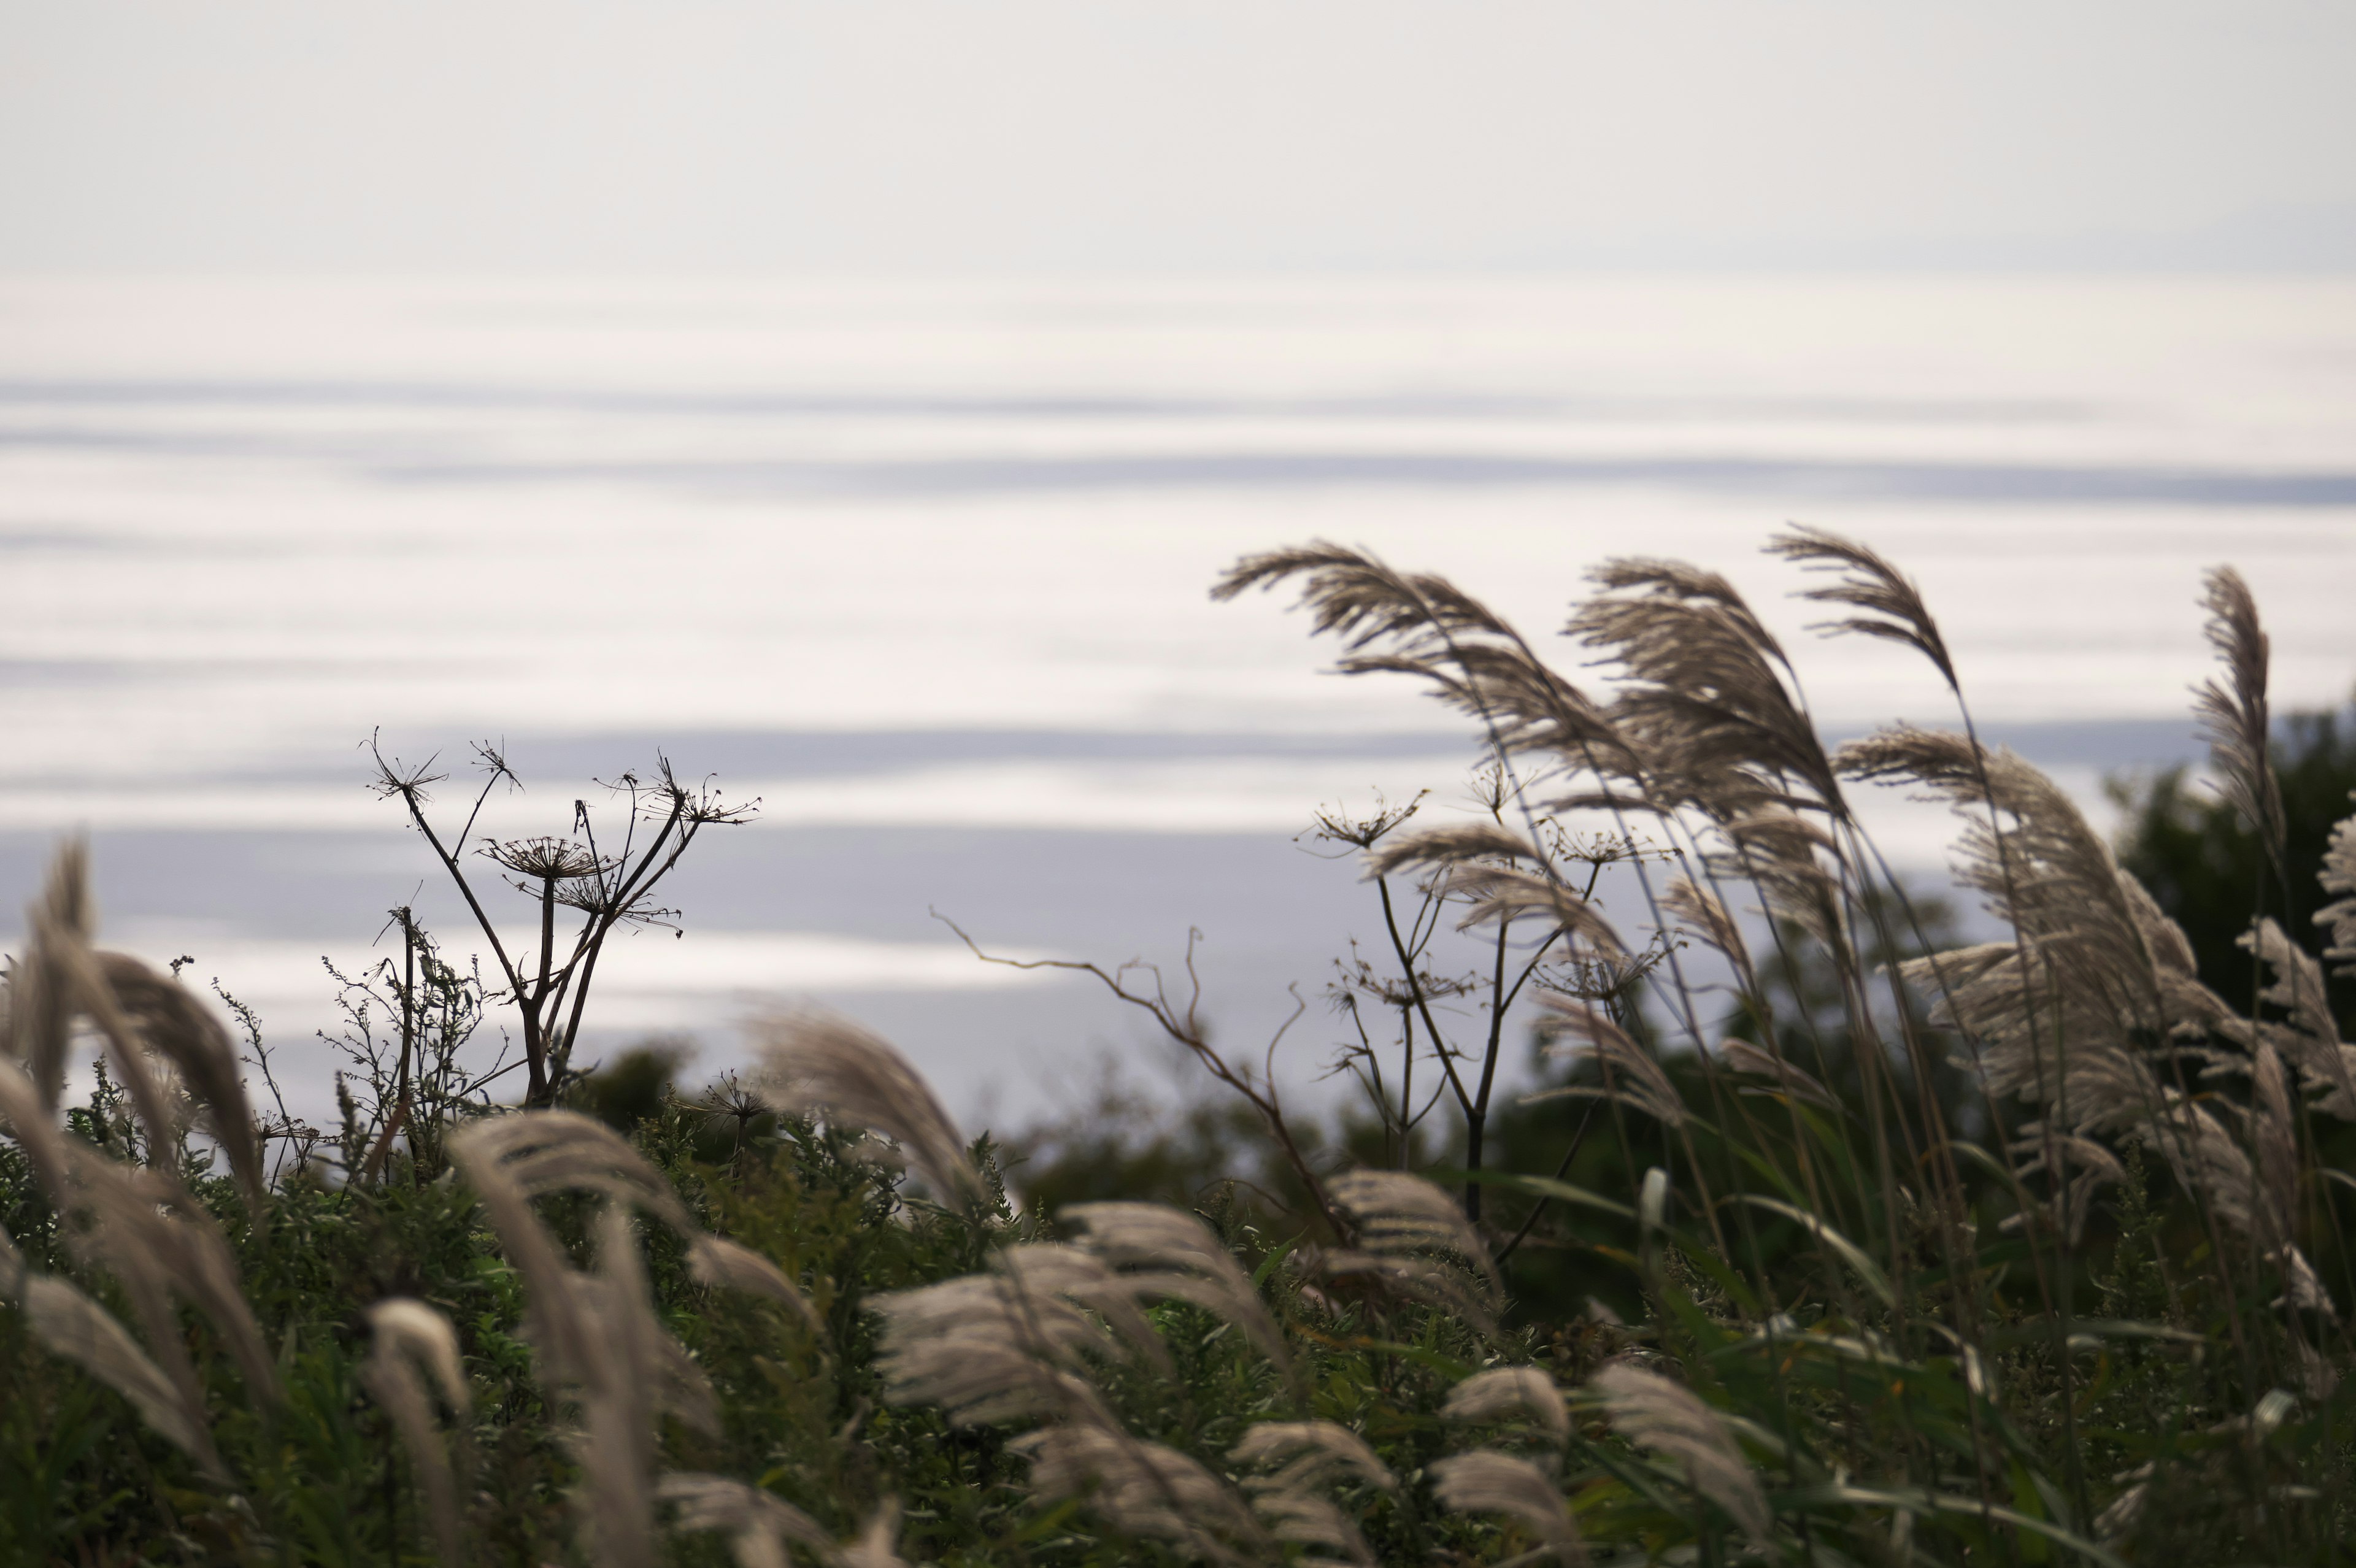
x,y
2311,1042
1398,1216
2339,876
2091,978
759,1523
159,1244
1163,1253
617,1397
724,1265
39,1006
2054,1156
564,1151
1704,703
74,983
878,1545
1435,631
1751,1060
2234,715
412,1341
1486,1481
1631,1076
1478,859
1504,1391
812,1062
595,1343
1705,914
1776,850
33,1122
2246,1196
1893,605
1670,1421
1142,1489
71,1325
1309,1456
985,1349
172,1023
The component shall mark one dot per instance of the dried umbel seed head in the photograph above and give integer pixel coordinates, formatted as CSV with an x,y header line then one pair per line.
x,y
547,859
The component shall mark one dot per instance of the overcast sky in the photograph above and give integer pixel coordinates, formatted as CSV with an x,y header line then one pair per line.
x,y
1181,136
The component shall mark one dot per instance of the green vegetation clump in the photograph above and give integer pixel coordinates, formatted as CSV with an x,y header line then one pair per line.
x,y
1825,1239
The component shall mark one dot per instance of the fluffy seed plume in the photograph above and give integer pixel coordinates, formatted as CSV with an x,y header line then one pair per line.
x,y
814,1063
2339,876
1704,703
1307,1457
1485,1481
2233,713
1631,1076
760,1525
1667,1420
1400,1216
71,1325
172,1023
2310,1043
717,1262
1142,1489
1160,1251
412,1343
994,1347
1309,1453
1893,607
1506,1391
1705,914
1425,627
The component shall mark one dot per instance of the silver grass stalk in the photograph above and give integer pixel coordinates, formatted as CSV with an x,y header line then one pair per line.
x,y
1398,1215
34,1125
1892,605
1300,1459
1704,702
170,1021
2233,714
159,1244
1705,914
2339,876
985,1349
1669,1421
1160,1251
2100,971
1631,1074
1142,1489
71,1325
813,1062
2326,1064
39,1008
1309,1454
759,1523
543,1152
1505,1391
1426,627
1486,1481
410,1343
725,1264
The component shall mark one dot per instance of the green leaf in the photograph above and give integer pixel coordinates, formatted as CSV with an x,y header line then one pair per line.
x,y
1849,1252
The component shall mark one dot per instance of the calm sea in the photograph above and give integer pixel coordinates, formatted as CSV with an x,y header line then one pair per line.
x,y
925,569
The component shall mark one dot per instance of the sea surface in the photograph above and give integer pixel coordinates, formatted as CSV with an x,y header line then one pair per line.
x,y
924,569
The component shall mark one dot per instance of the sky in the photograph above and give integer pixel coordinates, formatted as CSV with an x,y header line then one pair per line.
x,y
915,137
